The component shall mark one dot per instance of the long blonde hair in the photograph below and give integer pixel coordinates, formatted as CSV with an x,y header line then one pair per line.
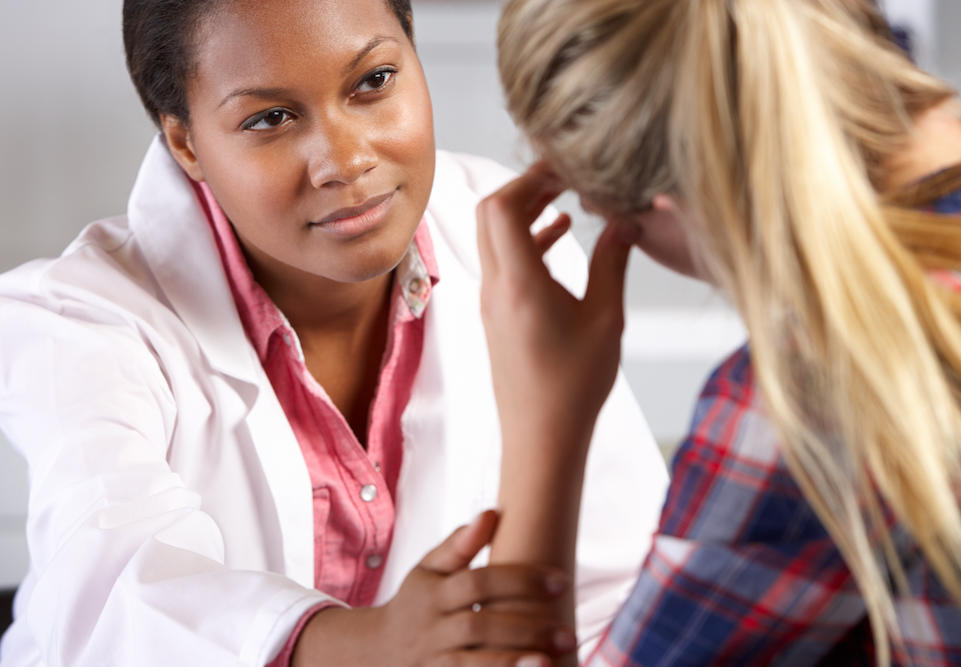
x,y
773,121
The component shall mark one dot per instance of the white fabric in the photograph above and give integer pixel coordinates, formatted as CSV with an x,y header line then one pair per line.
x,y
170,517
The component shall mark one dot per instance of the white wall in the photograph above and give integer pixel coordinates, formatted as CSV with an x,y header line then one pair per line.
x,y
72,134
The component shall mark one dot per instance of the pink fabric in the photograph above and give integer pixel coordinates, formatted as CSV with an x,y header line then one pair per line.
x,y
353,487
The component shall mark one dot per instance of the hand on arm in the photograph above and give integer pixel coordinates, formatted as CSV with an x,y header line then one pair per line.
x,y
554,359
432,621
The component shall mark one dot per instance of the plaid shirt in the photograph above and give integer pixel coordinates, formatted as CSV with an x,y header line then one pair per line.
x,y
742,572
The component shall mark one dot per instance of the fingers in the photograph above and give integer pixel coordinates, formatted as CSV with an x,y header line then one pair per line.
x,y
504,218
504,631
499,583
545,239
458,550
608,270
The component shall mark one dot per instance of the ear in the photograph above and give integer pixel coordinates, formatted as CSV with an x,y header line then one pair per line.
x,y
665,204
177,134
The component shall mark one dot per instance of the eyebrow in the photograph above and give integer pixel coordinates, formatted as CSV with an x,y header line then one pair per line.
x,y
266,93
371,45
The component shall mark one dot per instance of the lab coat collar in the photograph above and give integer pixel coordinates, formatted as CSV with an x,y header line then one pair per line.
x,y
163,211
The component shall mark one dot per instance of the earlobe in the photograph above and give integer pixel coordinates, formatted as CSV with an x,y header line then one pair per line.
x,y
181,147
664,204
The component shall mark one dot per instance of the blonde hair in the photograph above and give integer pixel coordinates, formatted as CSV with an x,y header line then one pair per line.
x,y
773,120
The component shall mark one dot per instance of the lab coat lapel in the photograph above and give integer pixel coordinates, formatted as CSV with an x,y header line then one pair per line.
x,y
168,222
179,247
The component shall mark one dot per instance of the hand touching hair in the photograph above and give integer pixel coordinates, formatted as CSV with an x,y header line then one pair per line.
x,y
775,122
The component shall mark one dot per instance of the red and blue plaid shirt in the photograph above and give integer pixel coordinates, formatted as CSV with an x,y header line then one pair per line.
x,y
742,572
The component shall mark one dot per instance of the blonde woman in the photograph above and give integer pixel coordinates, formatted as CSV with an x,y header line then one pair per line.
x,y
786,152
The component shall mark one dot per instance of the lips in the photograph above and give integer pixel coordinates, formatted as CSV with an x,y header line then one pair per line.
x,y
356,220
354,211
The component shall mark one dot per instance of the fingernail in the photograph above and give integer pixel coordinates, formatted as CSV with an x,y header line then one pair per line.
x,y
564,640
531,661
555,583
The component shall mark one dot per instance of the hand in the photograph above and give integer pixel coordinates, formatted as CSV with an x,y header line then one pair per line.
x,y
554,358
431,620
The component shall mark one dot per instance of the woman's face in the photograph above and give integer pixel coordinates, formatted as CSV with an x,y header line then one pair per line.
x,y
311,123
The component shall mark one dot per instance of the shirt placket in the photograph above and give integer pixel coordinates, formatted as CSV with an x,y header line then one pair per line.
x,y
352,481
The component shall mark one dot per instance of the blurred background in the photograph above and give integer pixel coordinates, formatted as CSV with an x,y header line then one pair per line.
x,y
72,134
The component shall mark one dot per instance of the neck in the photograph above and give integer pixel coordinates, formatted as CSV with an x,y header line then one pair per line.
x,y
320,307
934,145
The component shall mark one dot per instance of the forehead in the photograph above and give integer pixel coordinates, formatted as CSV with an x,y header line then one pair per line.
x,y
273,40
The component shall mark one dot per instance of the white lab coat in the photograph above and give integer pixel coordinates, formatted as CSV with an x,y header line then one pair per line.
x,y
170,515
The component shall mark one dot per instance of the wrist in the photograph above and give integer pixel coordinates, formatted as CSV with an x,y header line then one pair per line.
x,y
548,437
334,636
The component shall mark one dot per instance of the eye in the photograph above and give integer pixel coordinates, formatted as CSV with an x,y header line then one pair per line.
x,y
377,80
267,120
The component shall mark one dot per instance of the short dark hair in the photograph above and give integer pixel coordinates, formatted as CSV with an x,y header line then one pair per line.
x,y
158,37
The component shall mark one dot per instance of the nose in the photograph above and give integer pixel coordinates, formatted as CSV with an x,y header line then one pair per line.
x,y
340,153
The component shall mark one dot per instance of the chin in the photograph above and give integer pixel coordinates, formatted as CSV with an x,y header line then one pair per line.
x,y
362,269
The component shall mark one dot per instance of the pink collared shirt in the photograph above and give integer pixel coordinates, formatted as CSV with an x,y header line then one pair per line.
x,y
353,488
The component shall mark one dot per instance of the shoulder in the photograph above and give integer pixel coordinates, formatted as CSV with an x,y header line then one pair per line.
x,y
728,415
729,479
466,173
728,411
94,308
732,379
103,268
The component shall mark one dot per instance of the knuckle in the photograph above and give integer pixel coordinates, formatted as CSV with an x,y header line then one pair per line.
x,y
488,207
515,296
496,207
470,626
476,585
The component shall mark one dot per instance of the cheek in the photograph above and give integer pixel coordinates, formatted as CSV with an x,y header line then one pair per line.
x,y
245,180
409,139
254,193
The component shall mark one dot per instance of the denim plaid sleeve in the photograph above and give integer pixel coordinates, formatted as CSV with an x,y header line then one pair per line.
x,y
742,572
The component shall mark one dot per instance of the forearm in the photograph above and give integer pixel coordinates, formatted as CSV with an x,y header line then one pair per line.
x,y
334,636
539,501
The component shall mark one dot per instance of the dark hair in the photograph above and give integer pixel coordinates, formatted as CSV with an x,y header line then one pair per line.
x,y
158,37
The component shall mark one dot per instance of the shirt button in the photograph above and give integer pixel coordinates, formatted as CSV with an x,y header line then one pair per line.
x,y
415,286
374,561
368,493
288,340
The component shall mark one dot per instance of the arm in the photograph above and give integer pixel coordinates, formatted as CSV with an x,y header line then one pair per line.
x,y
624,488
431,621
712,561
545,343
125,562
127,566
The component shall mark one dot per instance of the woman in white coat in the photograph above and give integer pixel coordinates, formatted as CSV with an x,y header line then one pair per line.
x,y
251,405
